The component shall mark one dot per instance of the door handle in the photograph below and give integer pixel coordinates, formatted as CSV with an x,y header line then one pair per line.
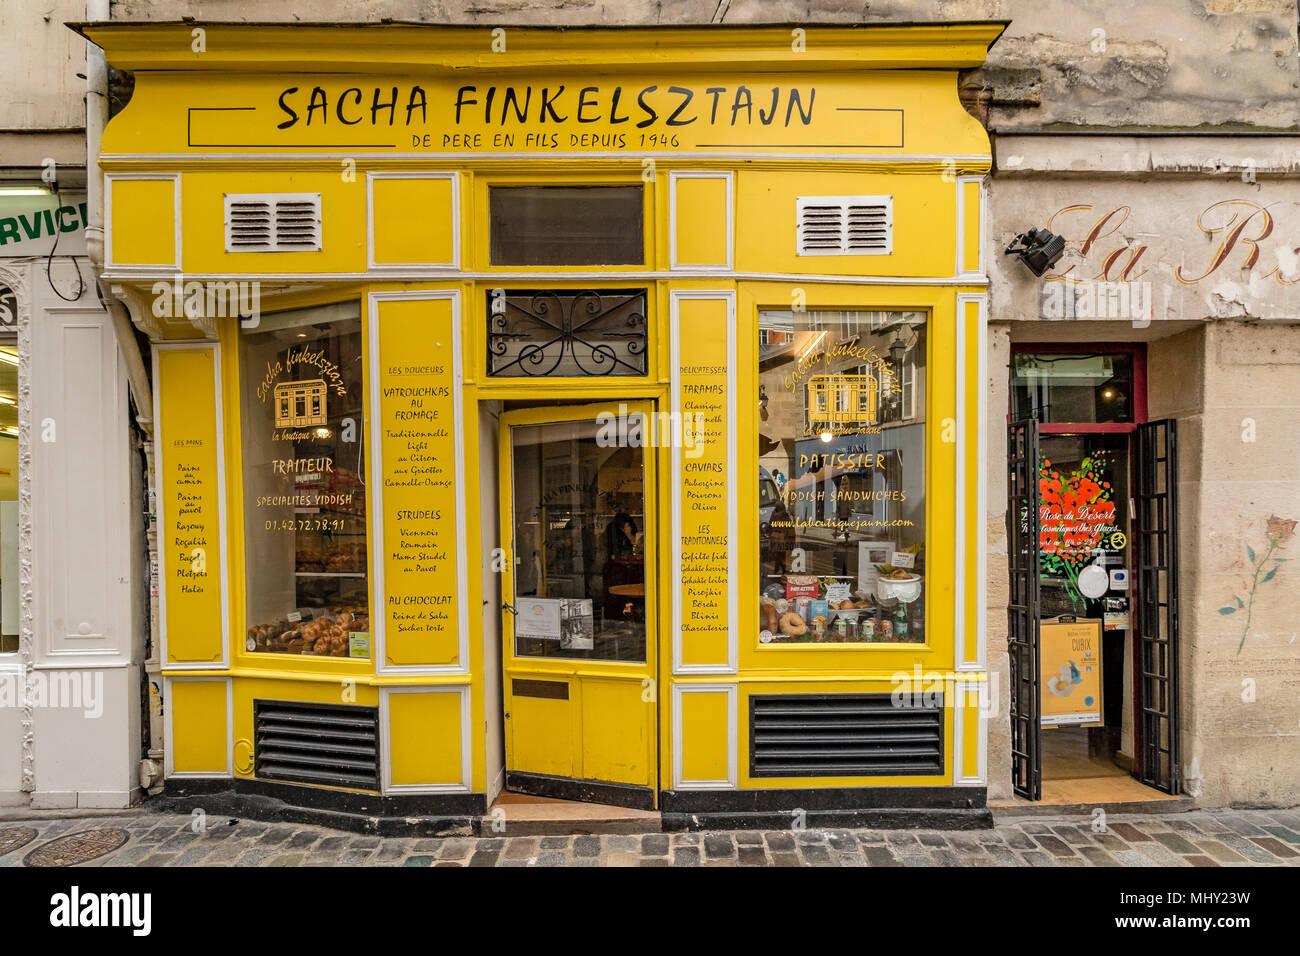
x,y
507,606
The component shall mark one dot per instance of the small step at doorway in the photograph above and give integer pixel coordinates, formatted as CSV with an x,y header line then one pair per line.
x,y
526,815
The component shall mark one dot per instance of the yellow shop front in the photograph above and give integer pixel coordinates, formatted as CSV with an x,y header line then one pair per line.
x,y
589,414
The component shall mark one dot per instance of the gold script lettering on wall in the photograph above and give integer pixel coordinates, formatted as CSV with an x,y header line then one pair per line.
x,y
418,423
189,468
704,507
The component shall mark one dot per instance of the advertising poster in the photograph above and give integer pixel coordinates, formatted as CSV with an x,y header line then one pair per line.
x,y
1070,681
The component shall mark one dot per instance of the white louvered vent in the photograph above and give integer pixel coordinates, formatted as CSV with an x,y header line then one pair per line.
x,y
845,225
273,222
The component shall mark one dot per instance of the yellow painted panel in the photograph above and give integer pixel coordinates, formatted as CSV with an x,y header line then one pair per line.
x,y
419,465
343,221
413,221
971,226
198,709
425,737
190,538
637,110
701,216
705,505
705,743
542,735
144,222
925,223
616,732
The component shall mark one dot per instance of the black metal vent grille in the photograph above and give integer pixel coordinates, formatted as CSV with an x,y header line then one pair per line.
x,y
316,743
844,735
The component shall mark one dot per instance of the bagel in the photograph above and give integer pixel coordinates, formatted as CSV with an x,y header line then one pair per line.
x,y
792,624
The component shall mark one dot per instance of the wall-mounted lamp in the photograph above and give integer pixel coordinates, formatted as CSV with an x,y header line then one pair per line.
x,y
1038,249
897,349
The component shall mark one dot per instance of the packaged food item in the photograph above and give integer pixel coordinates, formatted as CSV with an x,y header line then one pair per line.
x,y
885,631
803,607
820,608
841,630
801,585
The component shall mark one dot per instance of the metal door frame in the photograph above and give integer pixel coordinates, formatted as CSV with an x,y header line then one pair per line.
x,y
1023,607
1158,727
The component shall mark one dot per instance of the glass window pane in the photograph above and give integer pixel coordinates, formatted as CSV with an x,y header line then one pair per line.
x,y
566,225
842,477
579,515
304,490
1080,388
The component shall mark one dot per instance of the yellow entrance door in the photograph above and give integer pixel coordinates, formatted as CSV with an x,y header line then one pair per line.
x,y
578,515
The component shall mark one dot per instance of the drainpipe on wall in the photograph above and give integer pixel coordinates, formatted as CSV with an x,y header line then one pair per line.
x,y
151,767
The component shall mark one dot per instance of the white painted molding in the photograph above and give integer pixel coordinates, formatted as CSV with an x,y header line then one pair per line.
x,y
454,178
169,736
465,785
963,776
964,560
732,780
110,263
378,622
729,178
731,664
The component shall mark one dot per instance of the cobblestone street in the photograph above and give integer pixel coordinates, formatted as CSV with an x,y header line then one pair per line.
x,y
1196,839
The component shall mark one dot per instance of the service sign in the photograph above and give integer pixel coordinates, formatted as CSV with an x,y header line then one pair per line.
x,y
1070,680
31,225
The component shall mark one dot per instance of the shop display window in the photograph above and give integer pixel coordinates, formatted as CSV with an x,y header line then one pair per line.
x,y
841,475
304,466
1072,387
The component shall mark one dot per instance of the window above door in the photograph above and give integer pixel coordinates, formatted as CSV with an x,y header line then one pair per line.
x,y
1062,385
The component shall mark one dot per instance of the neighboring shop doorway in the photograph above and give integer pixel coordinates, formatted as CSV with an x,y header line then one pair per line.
x,y
1093,641
578,619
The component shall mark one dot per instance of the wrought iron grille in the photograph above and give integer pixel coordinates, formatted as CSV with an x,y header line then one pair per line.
x,y
1023,609
537,333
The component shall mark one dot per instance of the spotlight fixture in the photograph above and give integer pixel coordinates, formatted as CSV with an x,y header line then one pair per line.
x,y
1038,249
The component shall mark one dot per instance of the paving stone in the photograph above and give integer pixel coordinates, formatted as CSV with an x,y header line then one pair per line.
x,y
1097,856
621,842
654,844
352,857
392,851
786,859
1054,845
810,837
302,839
1220,852
254,857
917,861
1198,860
556,842
815,854
1283,833
1019,840
485,858
417,861
490,843
520,848
929,838
1004,856
1110,841
900,837
1176,843
430,845
1038,858
193,855
655,861
1034,827
1240,825
946,857
1272,844
686,856
586,846
748,837
280,835
718,845
1161,854
880,856
456,849
550,858
286,859
1073,836
686,839
1130,833
1247,849
780,842
751,856
364,842
331,844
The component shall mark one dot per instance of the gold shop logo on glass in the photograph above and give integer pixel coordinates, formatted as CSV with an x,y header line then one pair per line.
x,y
300,404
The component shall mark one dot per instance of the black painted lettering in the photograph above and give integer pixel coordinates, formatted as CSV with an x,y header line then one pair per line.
x,y
548,105
293,116
376,106
614,118
651,115
715,92
583,104
686,96
338,107
742,101
462,102
416,99
317,102
795,101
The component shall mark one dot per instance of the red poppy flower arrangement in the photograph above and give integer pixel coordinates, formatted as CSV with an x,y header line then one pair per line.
x,y
1075,513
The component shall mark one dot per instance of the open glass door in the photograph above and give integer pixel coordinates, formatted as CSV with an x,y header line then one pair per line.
x,y
577,510
1023,608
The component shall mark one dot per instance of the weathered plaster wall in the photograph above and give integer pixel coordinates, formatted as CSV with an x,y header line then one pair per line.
x,y
1213,64
1232,386
998,588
